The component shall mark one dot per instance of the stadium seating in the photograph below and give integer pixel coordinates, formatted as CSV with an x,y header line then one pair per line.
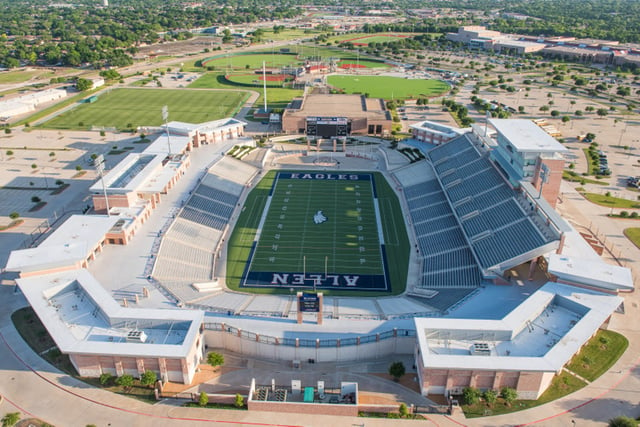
x,y
488,209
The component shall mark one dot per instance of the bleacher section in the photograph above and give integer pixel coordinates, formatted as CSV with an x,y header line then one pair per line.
x,y
187,252
494,222
447,261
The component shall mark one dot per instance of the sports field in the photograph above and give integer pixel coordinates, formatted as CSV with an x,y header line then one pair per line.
x,y
322,228
125,108
252,79
223,62
387,87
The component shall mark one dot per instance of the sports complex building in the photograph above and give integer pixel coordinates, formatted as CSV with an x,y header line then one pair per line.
x,y
361,116
457,258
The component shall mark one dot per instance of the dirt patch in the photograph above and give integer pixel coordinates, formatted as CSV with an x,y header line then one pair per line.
x,y
351,66
366,398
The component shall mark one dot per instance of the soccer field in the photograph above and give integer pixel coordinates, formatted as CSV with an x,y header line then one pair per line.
x,y
125,108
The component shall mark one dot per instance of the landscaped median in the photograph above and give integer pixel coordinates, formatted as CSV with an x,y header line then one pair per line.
x,y
596,357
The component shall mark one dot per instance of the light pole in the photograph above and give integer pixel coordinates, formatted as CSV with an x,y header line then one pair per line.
x,y
165,117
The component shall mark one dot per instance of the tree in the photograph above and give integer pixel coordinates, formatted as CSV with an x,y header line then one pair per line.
x,y
622,421
470,395
602,112
148,378
125,381
490,396
565,119
83,84
239,403
36,199
14,215
10,419
396,370
204,399
509,395
555,113
215,359
105,378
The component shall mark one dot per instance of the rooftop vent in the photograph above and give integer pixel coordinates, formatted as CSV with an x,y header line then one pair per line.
x,y
136,336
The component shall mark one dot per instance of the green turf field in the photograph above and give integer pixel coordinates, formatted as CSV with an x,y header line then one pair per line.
x,y
255,80
277,97
240,62
349,237
124,108
339,239
388,87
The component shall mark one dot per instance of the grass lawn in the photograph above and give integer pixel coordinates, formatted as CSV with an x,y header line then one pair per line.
x,y
337,239
388,87
633,234
34,333
561,385
126,108
600,353
610,201
574,177
19,76
596,357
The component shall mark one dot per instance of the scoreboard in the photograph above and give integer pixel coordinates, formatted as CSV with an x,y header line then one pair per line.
x,y
327,127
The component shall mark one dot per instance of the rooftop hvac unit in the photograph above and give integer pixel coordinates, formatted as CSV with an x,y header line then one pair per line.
x,y
136,336
481,349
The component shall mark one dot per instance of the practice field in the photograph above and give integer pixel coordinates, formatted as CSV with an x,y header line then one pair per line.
x,y
223,62
124,108
273,80
327,229
387,87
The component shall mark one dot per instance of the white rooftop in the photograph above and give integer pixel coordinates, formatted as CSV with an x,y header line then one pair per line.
x,y
72,242
83,318
591,273
175,144
206,127
541,334
439,128
525,136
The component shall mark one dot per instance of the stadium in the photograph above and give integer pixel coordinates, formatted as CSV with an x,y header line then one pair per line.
x,y
457,258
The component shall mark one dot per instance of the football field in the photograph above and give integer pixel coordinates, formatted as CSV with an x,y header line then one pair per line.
x,y
319,229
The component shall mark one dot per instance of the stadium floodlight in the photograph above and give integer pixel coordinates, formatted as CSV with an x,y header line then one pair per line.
x,y
99,163
264,86
165,117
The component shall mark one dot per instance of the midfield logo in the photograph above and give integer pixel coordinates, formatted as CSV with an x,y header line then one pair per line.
x,y
319,218
314,279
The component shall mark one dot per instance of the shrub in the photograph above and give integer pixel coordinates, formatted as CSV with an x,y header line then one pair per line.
x,y
622,421
10,419
403,410
624,214
239,403
9,153
215,359
7,130
105,378
78,168
396,370
633,215
34,166
608,194
204,399
14,215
